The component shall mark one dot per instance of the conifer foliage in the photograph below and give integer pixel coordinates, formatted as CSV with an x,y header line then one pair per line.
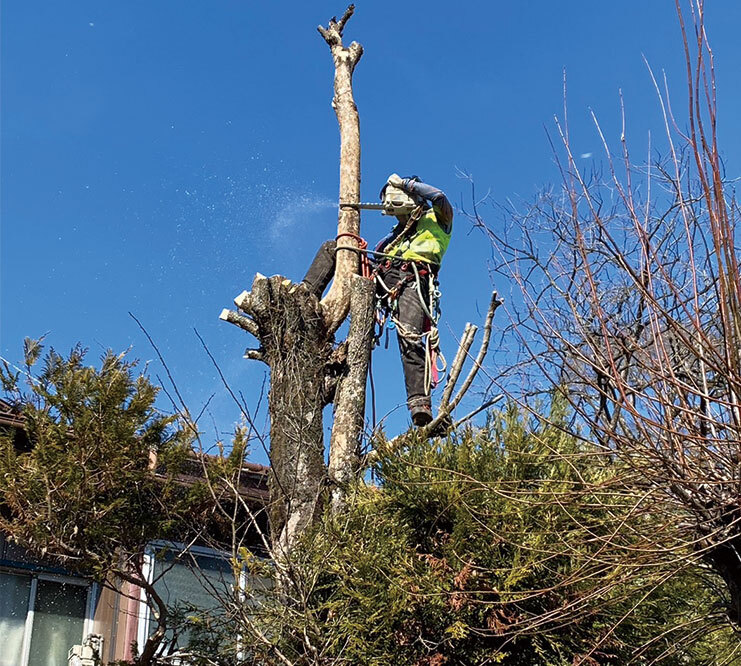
x,y
96,480
512,544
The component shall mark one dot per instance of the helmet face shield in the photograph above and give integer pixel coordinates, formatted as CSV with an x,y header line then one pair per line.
x,y
397,202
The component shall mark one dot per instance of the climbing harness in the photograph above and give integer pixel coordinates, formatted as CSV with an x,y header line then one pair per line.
x,y
387,297
387,315
362,249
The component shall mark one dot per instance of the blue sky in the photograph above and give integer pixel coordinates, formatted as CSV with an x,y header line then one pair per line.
x,y
155,155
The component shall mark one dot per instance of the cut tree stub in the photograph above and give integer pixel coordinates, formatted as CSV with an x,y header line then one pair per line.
x,y
296,344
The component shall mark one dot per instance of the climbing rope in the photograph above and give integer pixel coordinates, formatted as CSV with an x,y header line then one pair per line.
x,y
414,217
387,303
387,307
365,265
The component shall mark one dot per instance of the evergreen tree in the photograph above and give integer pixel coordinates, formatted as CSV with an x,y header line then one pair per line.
x,y
511,544
96,480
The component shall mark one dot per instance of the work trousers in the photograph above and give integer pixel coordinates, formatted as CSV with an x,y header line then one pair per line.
x,y
410,314
321,271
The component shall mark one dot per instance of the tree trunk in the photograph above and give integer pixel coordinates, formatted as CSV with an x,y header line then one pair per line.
x,y
297,346
725,560
296,335
349,417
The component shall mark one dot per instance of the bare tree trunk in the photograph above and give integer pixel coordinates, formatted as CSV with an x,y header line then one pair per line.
x,y
337,301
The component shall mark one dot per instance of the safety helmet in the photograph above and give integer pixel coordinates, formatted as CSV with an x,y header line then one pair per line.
x,y
382,193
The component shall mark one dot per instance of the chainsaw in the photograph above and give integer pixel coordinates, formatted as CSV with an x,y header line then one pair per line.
x,y
395,202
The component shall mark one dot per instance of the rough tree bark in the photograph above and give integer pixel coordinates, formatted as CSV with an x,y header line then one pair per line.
x,y
297,346
296,335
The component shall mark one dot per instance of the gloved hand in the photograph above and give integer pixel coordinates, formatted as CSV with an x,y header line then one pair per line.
x,y
395,181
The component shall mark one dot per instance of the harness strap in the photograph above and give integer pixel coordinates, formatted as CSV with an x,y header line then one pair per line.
x,y
387,310
435,364
413,219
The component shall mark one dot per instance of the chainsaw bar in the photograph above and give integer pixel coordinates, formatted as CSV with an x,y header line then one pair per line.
x,y
364,206
386,208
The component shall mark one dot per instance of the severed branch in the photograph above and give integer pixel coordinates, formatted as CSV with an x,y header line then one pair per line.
x,y
245,323
243,300
255,355
441,425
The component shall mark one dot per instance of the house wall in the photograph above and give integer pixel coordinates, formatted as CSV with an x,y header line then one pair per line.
x,y
116,620
115,611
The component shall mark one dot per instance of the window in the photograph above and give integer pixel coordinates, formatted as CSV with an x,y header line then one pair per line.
x,y
191,583
15,592
41,617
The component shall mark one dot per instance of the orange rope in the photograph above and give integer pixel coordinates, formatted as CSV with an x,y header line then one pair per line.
x,y
365,265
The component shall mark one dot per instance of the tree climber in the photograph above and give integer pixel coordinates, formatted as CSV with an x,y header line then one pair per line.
x,y
406,265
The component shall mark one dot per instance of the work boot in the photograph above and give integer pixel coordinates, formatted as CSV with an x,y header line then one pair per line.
x,y
420,409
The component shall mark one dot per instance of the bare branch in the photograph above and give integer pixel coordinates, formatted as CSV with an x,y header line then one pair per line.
x,y
345,18
333,32
484,406
483,350
469,333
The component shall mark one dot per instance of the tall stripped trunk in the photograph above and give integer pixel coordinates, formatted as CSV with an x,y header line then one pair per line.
x,y
296,335
348,291
337,301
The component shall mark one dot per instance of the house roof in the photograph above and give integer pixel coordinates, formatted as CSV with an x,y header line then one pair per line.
x,y
253,477
9,415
